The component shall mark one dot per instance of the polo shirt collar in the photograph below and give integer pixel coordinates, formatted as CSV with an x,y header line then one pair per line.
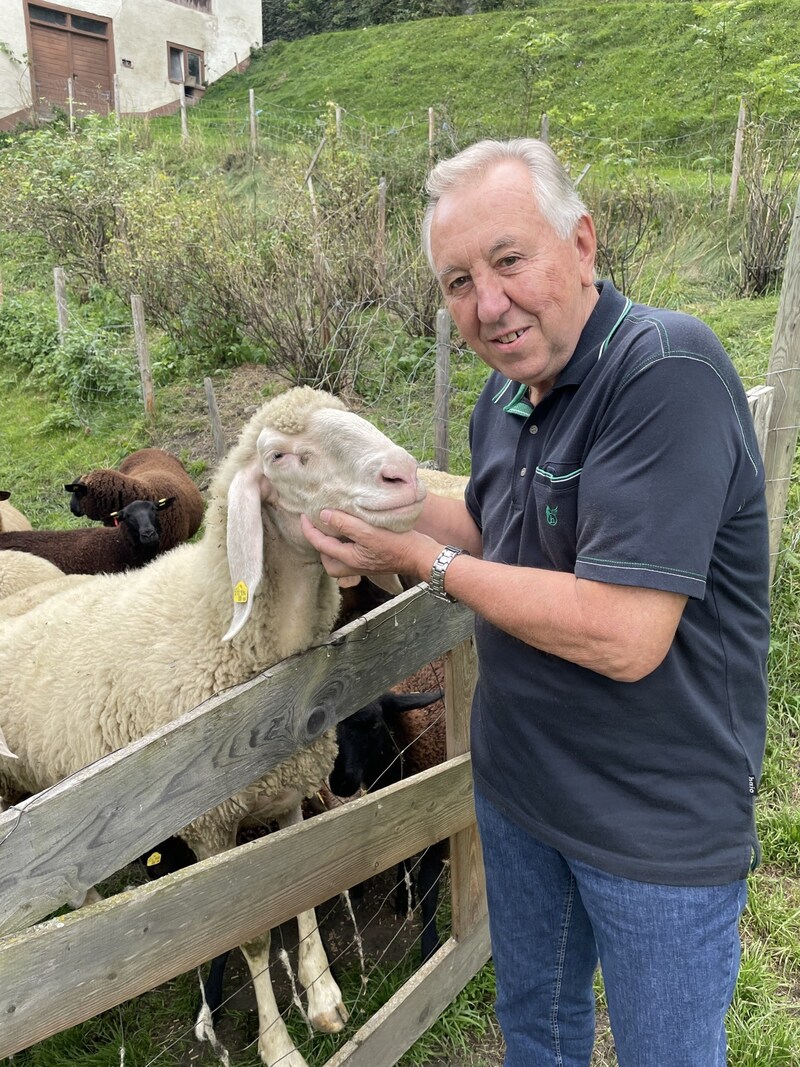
x,y
609,311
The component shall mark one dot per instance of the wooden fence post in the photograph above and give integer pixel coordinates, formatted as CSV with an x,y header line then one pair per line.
x,y
184,119
117,99
784,375
216,423
319,257
380,238
544,131
60,281
143,353
467,879
737,156
441,401
338,123
253,125
71,104
760,401
431,134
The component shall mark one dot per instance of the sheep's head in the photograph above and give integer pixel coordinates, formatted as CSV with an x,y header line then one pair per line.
x,y
331,458
140,520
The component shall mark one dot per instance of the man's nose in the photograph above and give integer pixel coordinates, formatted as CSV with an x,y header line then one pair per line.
x,y
493,302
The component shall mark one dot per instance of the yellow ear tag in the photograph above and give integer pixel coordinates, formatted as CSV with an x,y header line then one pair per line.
x,y
153,859
240,593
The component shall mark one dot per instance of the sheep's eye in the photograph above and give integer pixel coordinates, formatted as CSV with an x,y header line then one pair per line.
x,y
276,456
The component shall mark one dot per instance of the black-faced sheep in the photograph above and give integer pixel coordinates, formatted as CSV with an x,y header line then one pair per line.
x,y
401,733
148,474
252,571
10,518
135,541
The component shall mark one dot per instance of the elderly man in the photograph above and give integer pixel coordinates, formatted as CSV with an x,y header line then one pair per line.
x,y
613,545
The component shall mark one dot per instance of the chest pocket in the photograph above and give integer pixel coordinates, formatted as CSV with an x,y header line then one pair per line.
x,y
555,492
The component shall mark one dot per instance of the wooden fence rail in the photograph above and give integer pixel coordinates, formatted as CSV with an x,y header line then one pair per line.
x,y
54,846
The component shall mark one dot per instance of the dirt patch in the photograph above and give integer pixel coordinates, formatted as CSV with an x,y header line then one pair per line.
x,y
184,426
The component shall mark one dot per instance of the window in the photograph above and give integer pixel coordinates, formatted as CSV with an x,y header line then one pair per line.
x,y
65,19
44,14
185,65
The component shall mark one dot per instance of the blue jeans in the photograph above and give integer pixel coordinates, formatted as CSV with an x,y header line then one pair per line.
x,y
669,956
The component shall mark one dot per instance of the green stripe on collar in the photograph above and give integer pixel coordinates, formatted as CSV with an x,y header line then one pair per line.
x,y
518,405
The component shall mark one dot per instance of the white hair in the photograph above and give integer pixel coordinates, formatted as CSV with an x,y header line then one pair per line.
x,y
552,187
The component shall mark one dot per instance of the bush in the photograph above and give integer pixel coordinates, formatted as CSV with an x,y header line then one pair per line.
x,y
90,365
67,189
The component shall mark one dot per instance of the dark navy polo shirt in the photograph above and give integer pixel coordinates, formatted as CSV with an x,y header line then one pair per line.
x,y
639,467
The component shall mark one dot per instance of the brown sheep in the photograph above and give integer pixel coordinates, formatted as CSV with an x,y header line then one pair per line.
x,y
148,474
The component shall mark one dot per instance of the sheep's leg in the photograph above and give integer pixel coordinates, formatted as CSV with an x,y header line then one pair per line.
x,y
430,871
274,1044
326,1010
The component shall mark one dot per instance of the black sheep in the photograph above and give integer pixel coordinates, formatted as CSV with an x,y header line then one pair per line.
x,y
395,736
133,542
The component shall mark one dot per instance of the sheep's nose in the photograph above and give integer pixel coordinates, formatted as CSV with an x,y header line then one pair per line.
x,y
399,473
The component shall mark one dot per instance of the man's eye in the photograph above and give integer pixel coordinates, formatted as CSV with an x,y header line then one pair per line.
x,y
508,261
458,283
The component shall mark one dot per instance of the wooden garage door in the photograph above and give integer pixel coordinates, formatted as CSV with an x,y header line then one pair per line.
x,y
66,45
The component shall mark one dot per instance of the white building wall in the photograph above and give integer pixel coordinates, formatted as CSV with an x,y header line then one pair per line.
x,y
140,31
15,79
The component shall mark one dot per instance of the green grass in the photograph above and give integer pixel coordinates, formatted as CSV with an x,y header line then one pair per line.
x,y
632,71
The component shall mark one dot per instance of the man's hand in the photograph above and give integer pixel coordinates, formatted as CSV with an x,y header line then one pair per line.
x,y
369,550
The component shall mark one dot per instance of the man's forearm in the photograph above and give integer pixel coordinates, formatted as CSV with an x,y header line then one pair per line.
x,y
448,522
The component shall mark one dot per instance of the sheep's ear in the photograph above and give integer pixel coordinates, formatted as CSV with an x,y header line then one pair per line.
x,y
245,542
165,502
4,749
4,494
390,583
76,487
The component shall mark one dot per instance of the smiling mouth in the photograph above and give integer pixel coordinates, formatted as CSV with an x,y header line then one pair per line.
x,y
508,338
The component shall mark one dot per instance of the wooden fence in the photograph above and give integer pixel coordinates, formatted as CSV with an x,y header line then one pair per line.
x,y
56,845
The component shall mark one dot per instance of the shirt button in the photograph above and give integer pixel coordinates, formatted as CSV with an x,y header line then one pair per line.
x,y
523,472
533,429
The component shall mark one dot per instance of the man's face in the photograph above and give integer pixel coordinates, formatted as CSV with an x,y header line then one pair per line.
x,y
519,294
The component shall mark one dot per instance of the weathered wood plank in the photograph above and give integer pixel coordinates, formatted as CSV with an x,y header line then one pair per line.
x,y
68,969
56,845
416,1006
760,401
784,375
467,880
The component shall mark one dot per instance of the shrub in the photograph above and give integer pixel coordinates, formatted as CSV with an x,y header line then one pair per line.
x,y
67,188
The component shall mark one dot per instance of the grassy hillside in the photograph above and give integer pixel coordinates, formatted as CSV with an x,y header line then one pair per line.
x,y
648,69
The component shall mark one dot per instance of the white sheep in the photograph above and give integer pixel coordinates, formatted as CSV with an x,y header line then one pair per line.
x,y
10,517
21,570
443,483
153,648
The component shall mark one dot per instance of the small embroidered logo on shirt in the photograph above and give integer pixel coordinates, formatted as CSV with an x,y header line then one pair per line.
x,y
551,514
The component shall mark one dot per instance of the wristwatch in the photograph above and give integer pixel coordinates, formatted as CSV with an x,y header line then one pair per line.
x,y
439,569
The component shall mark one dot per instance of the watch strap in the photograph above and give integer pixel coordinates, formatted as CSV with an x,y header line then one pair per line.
x,y
439,569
